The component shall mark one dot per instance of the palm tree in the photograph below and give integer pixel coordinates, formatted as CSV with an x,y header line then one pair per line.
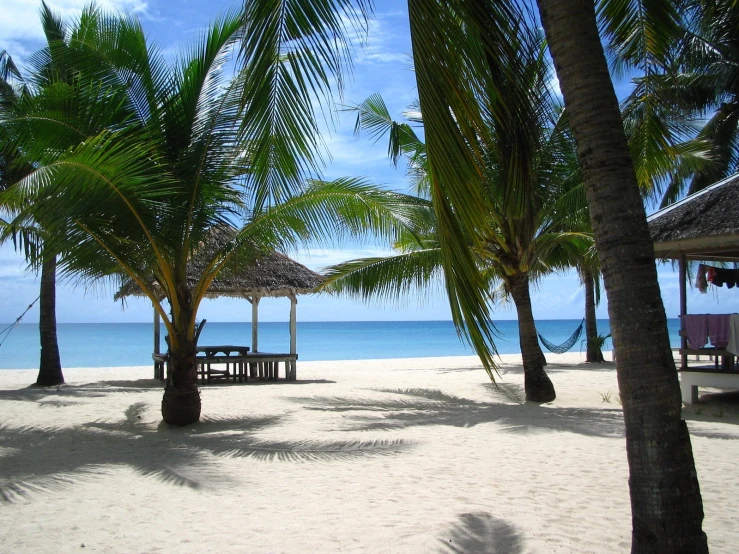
x,y
13,166
524,239
455,65
665,497
589,271
175,162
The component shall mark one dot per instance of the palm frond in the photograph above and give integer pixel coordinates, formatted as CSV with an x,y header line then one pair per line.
x,y
639,33
373,116
385,278
291,55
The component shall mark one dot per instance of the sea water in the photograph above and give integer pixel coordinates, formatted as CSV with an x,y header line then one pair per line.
x,y
131,344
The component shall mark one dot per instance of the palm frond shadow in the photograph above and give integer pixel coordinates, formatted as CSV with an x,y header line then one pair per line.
x,y
555,367
482,533
47,395
37,460
135,384
712,435
256,382
601,366
420,407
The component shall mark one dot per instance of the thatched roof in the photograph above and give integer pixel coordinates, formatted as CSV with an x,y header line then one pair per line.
x,y
269,275
702,226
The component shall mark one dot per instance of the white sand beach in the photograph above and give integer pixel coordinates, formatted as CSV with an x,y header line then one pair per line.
x,y
382,456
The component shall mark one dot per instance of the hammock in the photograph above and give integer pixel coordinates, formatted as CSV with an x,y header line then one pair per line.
x,y
566,345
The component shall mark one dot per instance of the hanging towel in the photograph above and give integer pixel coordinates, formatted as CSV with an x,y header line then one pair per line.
x,y
718,329
696,329
733,345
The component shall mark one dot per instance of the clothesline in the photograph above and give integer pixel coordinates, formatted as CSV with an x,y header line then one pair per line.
x,y
717,276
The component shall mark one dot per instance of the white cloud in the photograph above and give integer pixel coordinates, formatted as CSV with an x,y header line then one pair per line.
x,y
20,26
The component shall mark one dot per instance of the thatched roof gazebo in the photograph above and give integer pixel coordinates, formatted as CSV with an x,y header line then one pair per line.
x,y
271,275
704,227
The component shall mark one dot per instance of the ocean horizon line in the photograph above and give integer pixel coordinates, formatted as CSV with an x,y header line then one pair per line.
x,y
131,343
149,322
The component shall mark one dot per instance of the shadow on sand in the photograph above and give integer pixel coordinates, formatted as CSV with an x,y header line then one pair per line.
x,y
403,408
483,534
63,395
39,459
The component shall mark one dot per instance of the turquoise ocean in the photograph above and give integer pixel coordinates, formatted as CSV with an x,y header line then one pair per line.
x,y
130,344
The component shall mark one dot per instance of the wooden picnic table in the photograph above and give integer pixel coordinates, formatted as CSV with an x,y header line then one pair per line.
x,y
227,350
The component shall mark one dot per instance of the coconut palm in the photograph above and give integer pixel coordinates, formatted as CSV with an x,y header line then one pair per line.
x,y
685,54
458,52
523,240
588,270
176,161
665,496
13,166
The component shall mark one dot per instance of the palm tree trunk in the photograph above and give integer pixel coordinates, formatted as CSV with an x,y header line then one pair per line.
x,y
594,353
50,365
181,402
539,387
666,505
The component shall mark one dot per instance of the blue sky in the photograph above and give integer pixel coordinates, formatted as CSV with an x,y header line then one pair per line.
x,y
382,66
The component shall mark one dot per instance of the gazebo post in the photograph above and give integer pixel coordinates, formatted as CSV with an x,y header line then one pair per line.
x,y
683,311
157,342
290,375
158,361
255,323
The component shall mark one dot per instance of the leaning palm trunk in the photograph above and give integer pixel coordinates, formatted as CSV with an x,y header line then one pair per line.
x,y
539,387
594,353
50,366
667,510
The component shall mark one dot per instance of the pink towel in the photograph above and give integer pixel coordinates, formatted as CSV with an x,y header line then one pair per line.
x,y
719,329
696,329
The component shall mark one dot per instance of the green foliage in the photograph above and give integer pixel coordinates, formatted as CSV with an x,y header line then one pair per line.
x,y
682,117
521,172
139,164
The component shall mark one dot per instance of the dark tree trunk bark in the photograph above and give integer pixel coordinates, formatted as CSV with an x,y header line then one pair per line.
x,y
539,387
50,365
594,353
666,506
181,402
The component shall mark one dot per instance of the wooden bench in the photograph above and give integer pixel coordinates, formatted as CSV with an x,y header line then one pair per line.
x,y
238,367
727,358
693,378
266,365
257,365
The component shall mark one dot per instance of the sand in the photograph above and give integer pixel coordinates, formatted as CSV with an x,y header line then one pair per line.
x,y
382,456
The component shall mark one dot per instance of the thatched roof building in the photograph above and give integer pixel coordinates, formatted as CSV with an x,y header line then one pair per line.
x,y
702,226
273,275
